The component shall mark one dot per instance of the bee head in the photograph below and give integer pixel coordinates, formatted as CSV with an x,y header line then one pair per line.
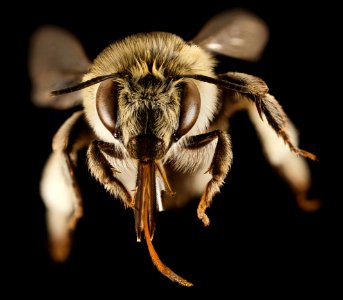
x,y
148,113
144,92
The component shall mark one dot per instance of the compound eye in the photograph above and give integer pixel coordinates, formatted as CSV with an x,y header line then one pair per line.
x,y
189,109
107,104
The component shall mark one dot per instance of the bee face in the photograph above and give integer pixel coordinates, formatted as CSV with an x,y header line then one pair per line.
x,y
148,111
145,107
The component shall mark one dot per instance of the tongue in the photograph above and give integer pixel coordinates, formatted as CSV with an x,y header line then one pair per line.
x,y
145,209
145,201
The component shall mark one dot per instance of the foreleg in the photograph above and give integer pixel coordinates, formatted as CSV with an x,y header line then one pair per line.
x,y
219,167
105,173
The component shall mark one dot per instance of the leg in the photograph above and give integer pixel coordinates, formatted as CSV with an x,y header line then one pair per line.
x,y
254,90
59,188
219,167
275,131
292,168
105,172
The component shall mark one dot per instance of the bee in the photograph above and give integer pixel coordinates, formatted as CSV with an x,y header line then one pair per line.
x,y
154,119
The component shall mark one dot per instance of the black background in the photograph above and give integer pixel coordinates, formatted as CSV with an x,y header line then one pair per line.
x,y
259,241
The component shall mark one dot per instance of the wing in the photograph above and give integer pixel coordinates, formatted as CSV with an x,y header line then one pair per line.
x,y
56,60
237,33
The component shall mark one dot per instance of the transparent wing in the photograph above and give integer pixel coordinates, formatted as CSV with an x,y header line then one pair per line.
x,y
56,60
237,33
